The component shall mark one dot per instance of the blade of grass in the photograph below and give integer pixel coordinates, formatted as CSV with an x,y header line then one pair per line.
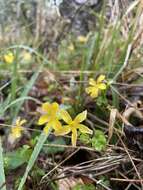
x,y
19,100
5,103
125,62
2,175
26,90
8,104
35,153
14,76
90,52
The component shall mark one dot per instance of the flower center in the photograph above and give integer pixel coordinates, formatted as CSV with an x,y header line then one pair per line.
x,y
73,124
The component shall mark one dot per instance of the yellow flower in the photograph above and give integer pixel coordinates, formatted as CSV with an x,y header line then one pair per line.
x,y
9,57
50,116
71,47
17,129
82,39
26,56
96,86
73,125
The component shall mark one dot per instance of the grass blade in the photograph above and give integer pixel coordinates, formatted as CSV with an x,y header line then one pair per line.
x,y
33,158
26,90
2,175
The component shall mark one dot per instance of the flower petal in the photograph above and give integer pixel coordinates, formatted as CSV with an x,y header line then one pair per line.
x,y
45,107
55,106
16,132
65,130
92,82
56,125
9,57
88,90
84,129
82,39
47,128
43,119
65,116
17,121
22,121
100,78
74,137
94,93
102,86
81,117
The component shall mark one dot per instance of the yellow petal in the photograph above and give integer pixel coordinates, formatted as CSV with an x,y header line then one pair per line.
x,y
47,128
100,78
65,130
94,92
16,135
84,129
82,39
16,132
26,56
71,47
56,125
43,119
89,90
81,117
55,106
9,58
92,82
65,116
102,86
74,137
45,107
22,121
17,121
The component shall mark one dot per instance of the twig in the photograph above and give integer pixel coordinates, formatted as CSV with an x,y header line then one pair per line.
x,y
127,180
59,165
70,146
125,62
138,174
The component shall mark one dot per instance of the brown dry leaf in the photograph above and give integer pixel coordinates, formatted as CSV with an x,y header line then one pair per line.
x,y
112,121
132,110
69,183
129,112
124,120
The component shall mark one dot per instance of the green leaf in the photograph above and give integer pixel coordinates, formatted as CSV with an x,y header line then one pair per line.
x,y
84,187
14,159
99,140
102,100
37,172
84,138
